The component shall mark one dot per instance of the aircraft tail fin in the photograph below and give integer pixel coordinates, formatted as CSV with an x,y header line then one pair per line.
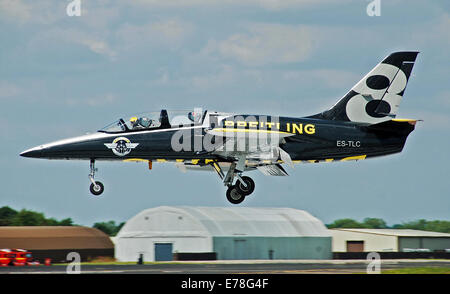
x,y
377,96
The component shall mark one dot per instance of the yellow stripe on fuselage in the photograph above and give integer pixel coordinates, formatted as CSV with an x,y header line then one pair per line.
x,y
250,131
359,157
135,160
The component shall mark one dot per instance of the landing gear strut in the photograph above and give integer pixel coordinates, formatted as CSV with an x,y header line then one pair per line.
x,y
96,187
243,186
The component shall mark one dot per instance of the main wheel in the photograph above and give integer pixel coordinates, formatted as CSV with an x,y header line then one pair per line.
x,y
234,195
250,186
97,189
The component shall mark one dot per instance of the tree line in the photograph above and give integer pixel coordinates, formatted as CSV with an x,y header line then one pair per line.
x,y
378,223
24,217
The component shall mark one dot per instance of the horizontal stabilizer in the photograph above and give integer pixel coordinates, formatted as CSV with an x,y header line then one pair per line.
x,y
399,126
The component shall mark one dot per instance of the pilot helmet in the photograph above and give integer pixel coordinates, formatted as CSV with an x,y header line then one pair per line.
x,y
133,121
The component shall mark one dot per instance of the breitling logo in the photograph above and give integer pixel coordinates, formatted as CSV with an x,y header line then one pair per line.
x,y
121,146
294,128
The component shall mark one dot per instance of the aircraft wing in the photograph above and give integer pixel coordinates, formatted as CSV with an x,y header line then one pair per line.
x,y
267,169
259,149
247,140
273,170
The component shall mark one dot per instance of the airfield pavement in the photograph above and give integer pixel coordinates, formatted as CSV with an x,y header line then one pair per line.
x,y
232,267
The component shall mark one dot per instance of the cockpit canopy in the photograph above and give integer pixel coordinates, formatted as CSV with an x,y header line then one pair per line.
x,y
156,120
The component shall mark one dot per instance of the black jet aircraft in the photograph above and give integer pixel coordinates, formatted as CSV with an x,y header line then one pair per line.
x,y
360,125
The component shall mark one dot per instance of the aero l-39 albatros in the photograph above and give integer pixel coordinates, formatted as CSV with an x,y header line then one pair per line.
x,y
362,124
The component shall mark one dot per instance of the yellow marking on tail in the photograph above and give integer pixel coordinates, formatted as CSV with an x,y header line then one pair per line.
x,y
404,120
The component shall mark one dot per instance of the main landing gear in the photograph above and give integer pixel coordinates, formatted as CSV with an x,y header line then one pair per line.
x,y
96,187
243,186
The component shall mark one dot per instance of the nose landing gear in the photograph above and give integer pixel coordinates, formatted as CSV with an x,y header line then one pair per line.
x,y
96,187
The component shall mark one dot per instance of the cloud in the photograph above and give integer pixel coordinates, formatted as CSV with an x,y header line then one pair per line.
x,y
169,33
434,32
94,42
15,10
100,15
36,12
8,90
265,44
330,78
225,75
97,46
265,4
100,100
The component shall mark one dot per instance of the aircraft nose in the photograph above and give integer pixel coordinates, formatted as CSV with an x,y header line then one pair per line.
x,y
35,152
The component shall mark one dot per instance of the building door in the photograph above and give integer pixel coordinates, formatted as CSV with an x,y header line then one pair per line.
x,y
240,249
355,246
163,252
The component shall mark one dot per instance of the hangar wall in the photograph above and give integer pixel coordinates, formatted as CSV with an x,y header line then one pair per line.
x,y
389,240
129,249
423,242
372,242
272,247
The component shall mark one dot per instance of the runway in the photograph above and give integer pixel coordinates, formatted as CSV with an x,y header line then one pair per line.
x,y
231,267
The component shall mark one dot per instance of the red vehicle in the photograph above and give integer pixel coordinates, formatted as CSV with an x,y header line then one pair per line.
x,y
23,257
16,257
7,257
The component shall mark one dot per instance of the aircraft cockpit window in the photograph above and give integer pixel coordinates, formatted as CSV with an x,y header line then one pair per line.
x,y
115,127
140,123
156,120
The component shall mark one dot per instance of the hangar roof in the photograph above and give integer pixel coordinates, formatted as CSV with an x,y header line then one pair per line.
x,y
53,237
223,221
397,232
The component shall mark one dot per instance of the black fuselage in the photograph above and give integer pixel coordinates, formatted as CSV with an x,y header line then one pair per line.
x,y
307,139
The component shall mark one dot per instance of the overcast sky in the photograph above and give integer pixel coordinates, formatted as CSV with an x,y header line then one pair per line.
x,y
63,76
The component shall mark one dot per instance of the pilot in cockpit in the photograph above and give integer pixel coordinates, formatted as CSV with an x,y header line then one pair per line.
x,y
140,123
145,122
134,123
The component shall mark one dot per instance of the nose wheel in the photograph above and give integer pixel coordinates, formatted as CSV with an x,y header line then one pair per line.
x,y
96,187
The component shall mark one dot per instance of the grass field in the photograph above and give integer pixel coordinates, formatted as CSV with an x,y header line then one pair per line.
x,y
418,270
